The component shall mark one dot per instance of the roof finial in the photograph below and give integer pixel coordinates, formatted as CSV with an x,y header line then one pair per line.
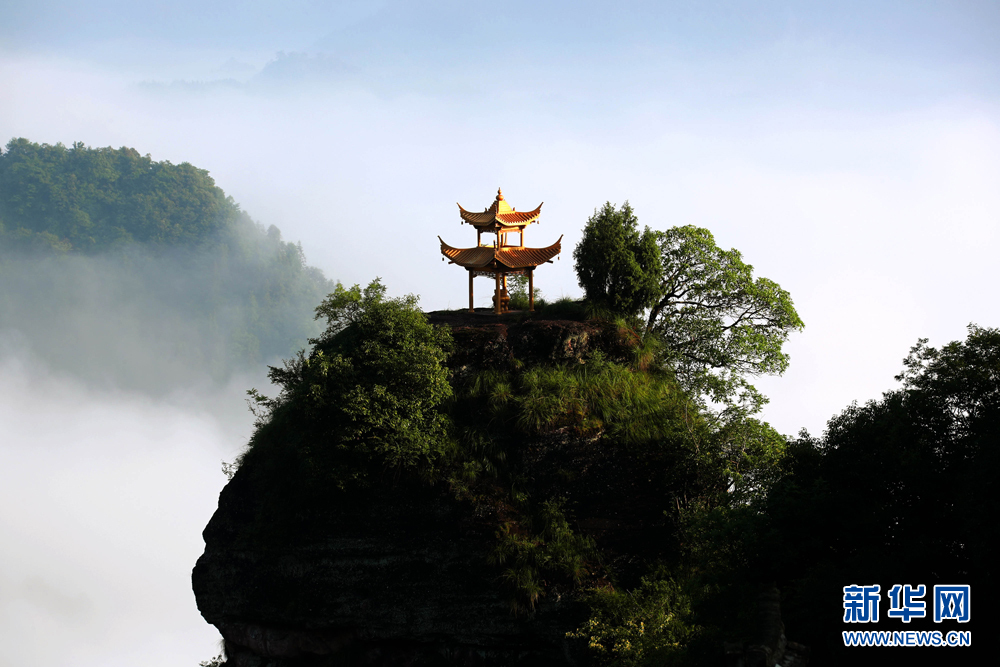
x,y
499,195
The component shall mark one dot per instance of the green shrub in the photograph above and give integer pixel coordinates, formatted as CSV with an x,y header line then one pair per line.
x,y
517,289
599,397
369,395
544,549
564,308
648,626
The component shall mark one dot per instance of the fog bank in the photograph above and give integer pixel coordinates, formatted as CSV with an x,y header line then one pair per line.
x,y
103,496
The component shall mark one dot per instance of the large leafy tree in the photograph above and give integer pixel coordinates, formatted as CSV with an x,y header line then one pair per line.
x,y
617,265
718,323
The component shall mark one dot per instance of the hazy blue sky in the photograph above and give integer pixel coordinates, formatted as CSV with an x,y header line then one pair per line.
x,y
850,150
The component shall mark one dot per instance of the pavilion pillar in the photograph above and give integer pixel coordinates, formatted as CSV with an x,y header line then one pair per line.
x,y
531,290
496,298
471,307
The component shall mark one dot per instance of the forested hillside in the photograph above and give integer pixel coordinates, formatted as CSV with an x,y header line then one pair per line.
x,y
117,267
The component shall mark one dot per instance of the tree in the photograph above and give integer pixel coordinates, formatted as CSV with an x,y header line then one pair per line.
x,y
370,392
962,379
902,488
718,324
617,267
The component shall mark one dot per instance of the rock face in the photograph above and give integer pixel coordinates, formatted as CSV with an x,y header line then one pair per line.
x,y
490,342
400,571
396,575
401,577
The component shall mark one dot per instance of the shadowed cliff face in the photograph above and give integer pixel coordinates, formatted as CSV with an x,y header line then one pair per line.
x,y
398,572
397,575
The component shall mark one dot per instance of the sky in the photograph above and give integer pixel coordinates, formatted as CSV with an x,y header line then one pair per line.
x,y
849,150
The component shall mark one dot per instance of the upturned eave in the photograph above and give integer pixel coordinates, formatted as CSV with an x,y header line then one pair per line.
x,y
483,257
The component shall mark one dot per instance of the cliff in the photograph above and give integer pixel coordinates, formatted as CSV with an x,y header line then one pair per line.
x,y
398,573
546,531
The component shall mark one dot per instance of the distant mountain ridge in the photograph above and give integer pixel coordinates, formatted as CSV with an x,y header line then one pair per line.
x,y
119,268
91,199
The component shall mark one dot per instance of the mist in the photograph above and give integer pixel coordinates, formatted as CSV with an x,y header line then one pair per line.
x,y
123,379
102,492
849,150
158,320
866,191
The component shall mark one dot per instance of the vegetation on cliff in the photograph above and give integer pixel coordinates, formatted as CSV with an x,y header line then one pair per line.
x,y
588,474
368,396
582,453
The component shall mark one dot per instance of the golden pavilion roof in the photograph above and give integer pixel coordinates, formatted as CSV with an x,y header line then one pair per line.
x,y
500,216
490,256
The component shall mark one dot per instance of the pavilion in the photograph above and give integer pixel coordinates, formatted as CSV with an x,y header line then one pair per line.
x,y
501,258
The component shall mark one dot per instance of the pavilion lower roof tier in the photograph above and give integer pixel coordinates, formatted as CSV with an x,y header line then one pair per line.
x,y
485,257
